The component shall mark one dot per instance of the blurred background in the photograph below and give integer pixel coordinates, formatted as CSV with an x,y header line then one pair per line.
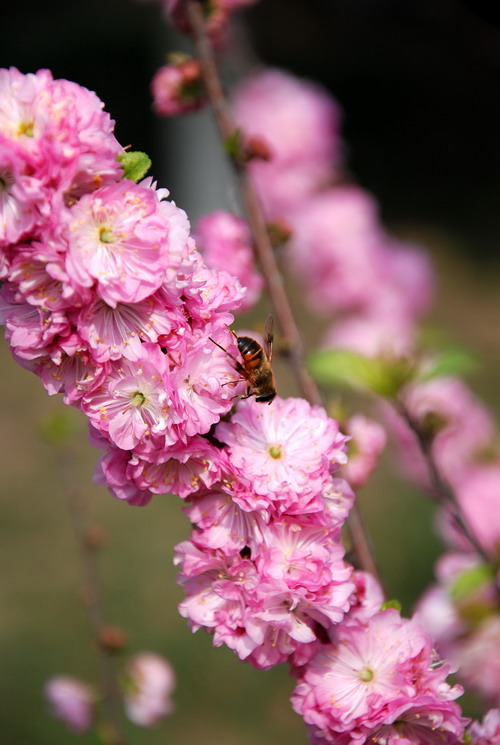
x,y
418,83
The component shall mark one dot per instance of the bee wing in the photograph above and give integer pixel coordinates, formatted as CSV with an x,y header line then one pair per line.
x,y
269,337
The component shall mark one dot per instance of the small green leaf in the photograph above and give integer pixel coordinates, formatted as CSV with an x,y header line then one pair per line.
x,y
393,603
471,580
451,361
135,164
234,147
467,739
381,375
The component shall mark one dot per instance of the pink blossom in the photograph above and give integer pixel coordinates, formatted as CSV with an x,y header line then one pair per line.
x,y
119,240
150,681
373,334
202,384
118,331
477,491
300,163
376,680
335,248
20,195
488,732
286,450
178,87
459,424
71,701
222,523
479,662
134,402
225,243
182,469
367,441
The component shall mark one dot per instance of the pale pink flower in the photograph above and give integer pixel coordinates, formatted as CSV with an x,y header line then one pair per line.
x,y
71,701
226,243
222,523
373,334
335,248
367,441
118,331
478,659
300,162
134,402
118,239
477,490
286,450
378,679
150,681
487,732
20,195
203,383
182,469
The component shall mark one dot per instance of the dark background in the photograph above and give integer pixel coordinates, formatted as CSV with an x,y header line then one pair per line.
x,y
418,81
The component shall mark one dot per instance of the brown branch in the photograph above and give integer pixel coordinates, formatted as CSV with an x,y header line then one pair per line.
x,y
265,254
110,720
440,490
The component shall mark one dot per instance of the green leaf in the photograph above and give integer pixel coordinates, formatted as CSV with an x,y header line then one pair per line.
x,y
393,603
234,147
135,164
380,375
472,579
451,361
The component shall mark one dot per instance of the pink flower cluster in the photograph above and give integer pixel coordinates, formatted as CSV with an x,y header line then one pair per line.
x,y
105,296
108,300
376,287
264,569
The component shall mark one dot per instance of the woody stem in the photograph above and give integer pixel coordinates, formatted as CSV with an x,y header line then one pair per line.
x,y
265,254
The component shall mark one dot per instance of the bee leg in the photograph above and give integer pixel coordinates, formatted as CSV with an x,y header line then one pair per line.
x,y
234,382
237,364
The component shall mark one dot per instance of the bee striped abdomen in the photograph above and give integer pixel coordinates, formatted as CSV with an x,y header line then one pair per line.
x,y
251,352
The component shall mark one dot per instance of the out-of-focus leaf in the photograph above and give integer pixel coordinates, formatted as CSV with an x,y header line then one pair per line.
x,y
57,428
380,375
451,361
135,164
471,580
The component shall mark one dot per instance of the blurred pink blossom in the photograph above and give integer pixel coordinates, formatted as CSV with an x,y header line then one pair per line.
x,y
150,681
300,122
71,701
225,243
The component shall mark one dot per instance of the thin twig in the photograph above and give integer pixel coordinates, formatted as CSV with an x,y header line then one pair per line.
x,y
440,490
110,720
265,255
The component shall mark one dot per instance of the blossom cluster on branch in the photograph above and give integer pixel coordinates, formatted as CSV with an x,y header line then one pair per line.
x,y
112,302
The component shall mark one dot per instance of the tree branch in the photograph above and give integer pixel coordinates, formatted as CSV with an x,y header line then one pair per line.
x,y
265,254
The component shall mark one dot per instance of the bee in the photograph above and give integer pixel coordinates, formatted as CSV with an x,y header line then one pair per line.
x,y
256,368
